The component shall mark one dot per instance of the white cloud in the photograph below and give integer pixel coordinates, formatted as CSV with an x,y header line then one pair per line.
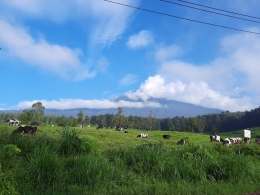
x,y
167,53
141,39
80,103
55,58
105,21
128,80
198,93
230,82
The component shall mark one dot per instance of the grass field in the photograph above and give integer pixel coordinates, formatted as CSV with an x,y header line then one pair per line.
x,y
111,162
109,138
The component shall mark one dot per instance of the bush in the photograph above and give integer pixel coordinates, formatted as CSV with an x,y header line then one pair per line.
x,y
72,144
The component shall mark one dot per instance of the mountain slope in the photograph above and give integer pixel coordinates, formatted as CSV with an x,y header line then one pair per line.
x,y
168,109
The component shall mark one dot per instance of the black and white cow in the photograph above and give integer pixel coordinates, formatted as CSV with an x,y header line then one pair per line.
x,y
215,138
166,137
26,130
182,141
247,140
236,140
119,128
227,142
231,141
13,122
100,127
142,135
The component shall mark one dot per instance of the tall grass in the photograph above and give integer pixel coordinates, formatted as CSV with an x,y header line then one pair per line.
x,y
74,165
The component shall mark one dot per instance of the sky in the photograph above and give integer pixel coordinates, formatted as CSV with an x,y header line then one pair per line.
x,y
85,53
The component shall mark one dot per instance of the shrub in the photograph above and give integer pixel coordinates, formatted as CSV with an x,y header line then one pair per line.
x,y
72,144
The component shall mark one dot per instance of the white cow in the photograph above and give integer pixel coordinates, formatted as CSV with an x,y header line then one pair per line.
x,y
142,135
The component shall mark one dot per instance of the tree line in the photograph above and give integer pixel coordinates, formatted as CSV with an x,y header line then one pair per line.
x,y
209,123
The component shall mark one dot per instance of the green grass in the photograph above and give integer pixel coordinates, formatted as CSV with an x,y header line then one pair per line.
x,y
112,162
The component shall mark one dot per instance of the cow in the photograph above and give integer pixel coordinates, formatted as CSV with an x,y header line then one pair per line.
x,y
35,124
61,125
26,130
119,128
80,126
257,141
182,141
236,140
100,127
166,136
247,140
125,131
227,142
216,138
13,122
142,135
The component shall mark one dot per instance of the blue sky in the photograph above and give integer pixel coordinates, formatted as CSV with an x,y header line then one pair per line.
x,y
84,53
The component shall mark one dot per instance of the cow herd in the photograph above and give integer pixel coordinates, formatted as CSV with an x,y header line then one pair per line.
x,y
22,129
231,141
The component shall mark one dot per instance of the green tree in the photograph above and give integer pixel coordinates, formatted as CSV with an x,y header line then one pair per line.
x,y
119,118
38,112
192,123
150,120
26,116
87,120
80,117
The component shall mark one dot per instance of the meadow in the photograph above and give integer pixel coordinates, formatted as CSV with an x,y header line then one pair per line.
x,y
108,162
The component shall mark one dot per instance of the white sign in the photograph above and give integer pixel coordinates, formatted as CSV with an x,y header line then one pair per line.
x,y
247,133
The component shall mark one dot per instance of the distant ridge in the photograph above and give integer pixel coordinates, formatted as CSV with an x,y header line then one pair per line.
x,y
169,109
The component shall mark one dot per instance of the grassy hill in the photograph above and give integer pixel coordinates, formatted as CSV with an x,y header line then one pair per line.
x,y
109,138
108,162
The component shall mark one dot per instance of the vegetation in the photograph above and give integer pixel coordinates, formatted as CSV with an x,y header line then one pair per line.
x,y
88,161
75,160
210,123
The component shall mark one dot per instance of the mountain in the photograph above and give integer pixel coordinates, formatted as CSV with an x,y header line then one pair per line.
x,y
168,109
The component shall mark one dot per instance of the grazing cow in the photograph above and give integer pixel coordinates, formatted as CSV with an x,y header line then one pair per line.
x,y
142,135
26,130
125,131
257,141
80,126
227,142
13,122
35,124
215,138
119,128
247,140
166,136
182,141
100,127
236,140
61,125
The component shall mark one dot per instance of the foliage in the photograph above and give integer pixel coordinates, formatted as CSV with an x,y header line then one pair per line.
x,y
80,117
54,162
72,144
26,116
38,112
